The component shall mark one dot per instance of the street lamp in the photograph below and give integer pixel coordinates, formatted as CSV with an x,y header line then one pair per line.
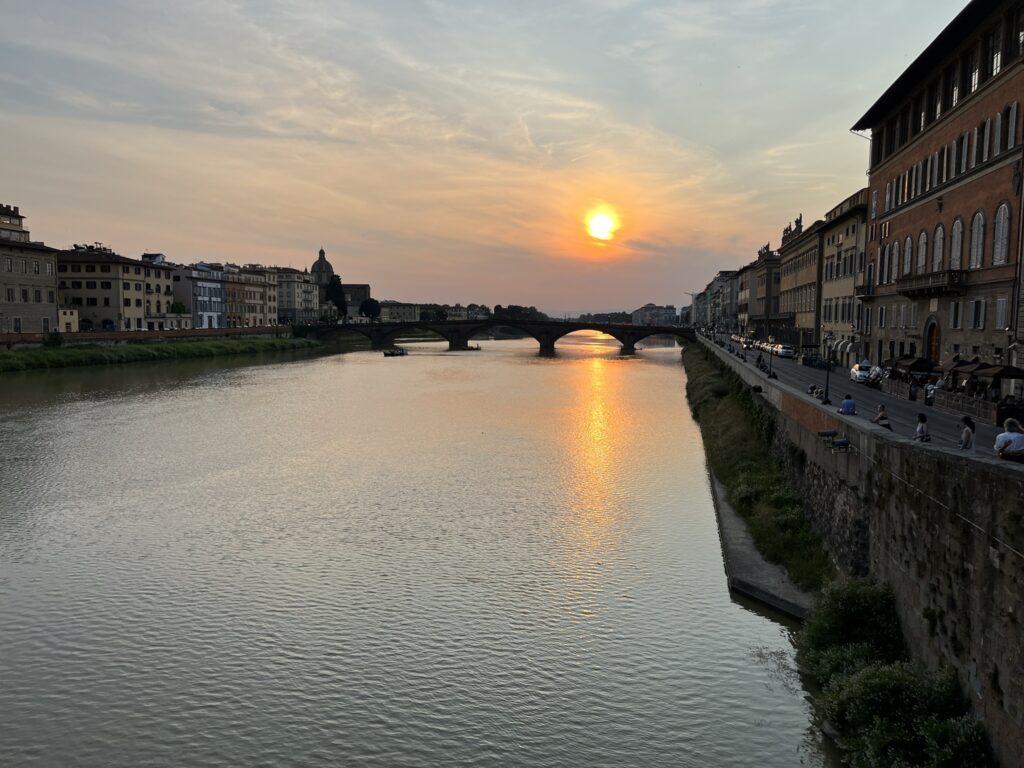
x,y
828,366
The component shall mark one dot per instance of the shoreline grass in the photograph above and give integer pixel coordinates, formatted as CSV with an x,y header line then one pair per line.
x,y
737,436
87,355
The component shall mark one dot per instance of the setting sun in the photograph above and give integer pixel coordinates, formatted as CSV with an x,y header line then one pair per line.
x,y
602,223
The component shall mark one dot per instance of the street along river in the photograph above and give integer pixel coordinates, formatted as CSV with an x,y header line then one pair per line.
x,y
447,559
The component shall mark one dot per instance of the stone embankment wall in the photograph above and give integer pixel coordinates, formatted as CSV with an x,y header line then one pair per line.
x,y
945,530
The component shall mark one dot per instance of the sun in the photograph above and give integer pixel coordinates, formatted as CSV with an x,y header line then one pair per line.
x,y
602,223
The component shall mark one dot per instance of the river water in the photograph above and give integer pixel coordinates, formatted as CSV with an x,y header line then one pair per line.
x,y
470,559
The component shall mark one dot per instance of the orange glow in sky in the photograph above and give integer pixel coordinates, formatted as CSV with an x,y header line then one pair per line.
x,y
602,223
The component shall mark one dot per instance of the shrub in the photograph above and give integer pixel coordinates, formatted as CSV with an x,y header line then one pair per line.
x,y
54,339
855,612
958,742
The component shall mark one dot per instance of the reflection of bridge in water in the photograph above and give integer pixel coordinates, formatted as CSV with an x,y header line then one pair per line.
x,y
458,333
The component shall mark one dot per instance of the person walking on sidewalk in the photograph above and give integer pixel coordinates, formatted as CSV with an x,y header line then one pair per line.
x,y
967,436
921,434
882,418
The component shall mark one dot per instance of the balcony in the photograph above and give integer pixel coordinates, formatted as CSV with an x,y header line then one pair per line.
x,y
951,281
864,291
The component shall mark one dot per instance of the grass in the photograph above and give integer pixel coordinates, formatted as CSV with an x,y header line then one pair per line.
x,y
69,357
737,435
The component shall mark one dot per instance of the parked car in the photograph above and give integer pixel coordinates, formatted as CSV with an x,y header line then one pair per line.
x,y
784,350
860,373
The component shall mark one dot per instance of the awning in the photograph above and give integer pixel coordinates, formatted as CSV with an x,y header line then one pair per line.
x,y
957,362
1001,372
915,365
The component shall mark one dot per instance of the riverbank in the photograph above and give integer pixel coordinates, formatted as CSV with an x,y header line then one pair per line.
x,y
70,357
737,440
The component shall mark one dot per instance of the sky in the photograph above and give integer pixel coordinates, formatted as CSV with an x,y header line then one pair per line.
x,y
443,150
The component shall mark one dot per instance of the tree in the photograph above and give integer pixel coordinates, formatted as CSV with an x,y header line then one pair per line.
x,y
336,295
370,308
177,308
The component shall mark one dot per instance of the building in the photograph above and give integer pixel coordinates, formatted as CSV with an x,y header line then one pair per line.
x,y
245,297
701,318
400,312
652,314
199,288
743,282
298,297
269,279
67,320
686,316
844,240
944,245
112,292
322,272
800,284
763,317
722,297
28,278
355,294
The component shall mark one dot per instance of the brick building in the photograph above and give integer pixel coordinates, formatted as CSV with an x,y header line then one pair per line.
x,y
943,253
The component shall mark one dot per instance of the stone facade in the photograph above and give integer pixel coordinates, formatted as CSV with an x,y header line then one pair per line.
x,y
28,278
844,239
800,285
943,529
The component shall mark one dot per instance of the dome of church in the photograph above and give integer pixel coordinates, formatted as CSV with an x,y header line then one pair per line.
x,y
322,266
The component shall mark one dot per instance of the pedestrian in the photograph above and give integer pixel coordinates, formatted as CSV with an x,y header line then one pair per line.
x,y
848,407
882,418
967,436
1010,442
912,395
921,434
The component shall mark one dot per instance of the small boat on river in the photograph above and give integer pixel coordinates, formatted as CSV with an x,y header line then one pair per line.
x,y
396,352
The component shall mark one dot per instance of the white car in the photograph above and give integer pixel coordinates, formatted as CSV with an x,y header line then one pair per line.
x,y
860,373
784,350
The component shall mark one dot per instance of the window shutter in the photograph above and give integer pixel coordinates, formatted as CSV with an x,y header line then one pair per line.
x,y
1011,129
974,153
952,314
981,313
965,153
986,137
999,135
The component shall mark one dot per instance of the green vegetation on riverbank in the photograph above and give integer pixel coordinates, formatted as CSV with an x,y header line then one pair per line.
x,y
68,357
737,437
887,711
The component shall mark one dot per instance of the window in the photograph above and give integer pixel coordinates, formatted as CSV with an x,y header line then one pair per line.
x,y
90,301
956,245
104,268
51,297
976,314
49,268
894,263
35,266
908,255
922,252
76,267
105,285
90,267
1000,312
138,302
38,296
940,236
1001,235
881,317
76,284
127,302
46,325
974,68
995,48
977,240
954,314
90,284
126,286
17,324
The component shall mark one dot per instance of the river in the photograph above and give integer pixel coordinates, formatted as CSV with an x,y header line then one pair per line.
x,y
448,559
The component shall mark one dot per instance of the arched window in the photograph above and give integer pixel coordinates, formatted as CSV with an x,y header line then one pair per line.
x,y
922,252
1001,235
956,245
940,237
908,255
894,262
977,241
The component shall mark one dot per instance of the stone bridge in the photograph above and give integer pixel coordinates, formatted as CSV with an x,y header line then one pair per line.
x,y
459,332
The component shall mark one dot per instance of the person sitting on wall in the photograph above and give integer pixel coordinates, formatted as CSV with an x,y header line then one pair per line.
x,y
1010,443
882,419
848,407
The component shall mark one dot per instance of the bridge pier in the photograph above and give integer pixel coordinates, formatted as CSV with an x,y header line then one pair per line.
x,y
628,348
547,347
458,343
